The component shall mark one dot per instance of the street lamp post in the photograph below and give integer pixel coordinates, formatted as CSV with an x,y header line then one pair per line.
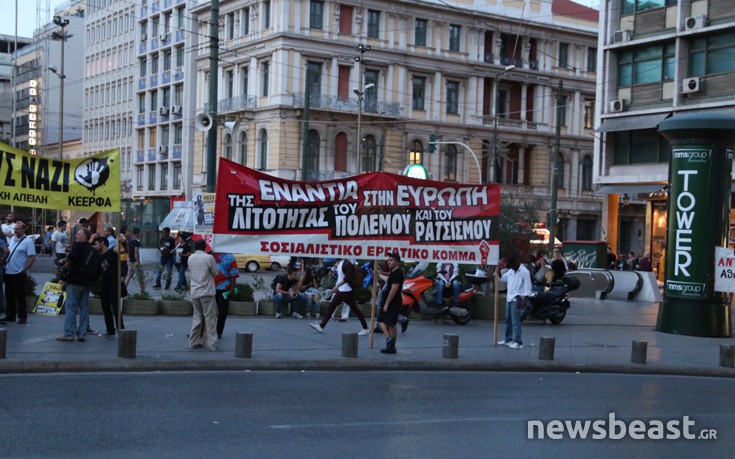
x,y
360,92
505,72
61,36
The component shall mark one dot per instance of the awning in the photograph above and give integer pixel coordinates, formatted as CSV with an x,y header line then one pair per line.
x,y
632,123
632,188
180,219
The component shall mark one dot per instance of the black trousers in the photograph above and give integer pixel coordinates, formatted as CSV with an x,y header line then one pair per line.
x,y
15,296
110,307
223,307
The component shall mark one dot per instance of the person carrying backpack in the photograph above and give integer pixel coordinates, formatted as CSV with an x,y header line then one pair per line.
x,y
344,291
83,267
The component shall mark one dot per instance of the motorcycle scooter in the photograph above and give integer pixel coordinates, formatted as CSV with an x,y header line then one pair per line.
x,y
553,303
418,296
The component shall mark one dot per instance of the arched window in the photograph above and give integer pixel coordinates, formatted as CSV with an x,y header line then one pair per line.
x,y
587,173
450,163
312,156
369,150
416,155
263,147
227,147
340,152
243,146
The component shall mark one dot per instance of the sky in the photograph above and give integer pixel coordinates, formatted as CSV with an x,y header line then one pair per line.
x,y
27,15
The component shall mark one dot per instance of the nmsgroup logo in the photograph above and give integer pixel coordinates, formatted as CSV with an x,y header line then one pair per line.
x,y
685,288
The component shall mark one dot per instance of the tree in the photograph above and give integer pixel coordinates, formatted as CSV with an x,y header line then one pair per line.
x,y
516,225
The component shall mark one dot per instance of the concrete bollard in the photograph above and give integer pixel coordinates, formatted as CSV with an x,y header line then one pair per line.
x,y
243,345
546,348
727,355
3,342
349,345
638,354
127,343
451,346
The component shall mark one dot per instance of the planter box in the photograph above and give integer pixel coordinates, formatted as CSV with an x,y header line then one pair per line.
x,y
267,308
175,307
95,306
242,308
483,307
140,307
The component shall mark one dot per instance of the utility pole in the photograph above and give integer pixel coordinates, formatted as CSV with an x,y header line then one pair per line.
x,y
213,77
360,91
555,168
61,36
305,135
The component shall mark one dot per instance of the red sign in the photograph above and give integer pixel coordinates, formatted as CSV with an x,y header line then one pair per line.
x,y
365,216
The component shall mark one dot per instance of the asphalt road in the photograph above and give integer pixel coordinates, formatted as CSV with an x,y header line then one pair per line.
x,y
350,414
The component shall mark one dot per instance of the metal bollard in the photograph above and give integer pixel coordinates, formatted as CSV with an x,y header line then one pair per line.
x,y
727,355
3,342
243,345
127,344
546,348
451,346
638,355
349,345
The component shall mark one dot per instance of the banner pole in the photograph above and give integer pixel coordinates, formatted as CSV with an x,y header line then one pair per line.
x,y
496,281
375,289
118,298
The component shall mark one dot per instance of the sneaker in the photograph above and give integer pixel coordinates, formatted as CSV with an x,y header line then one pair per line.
x,y
107,334
318,328
515,346
91,330
363,332
390,350
504,343
80,339
278,315
297,315
65,338
404,326
342,320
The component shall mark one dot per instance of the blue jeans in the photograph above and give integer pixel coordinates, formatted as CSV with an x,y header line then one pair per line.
x,y
440,291
512,322
77,297
181,283
279,300
167,263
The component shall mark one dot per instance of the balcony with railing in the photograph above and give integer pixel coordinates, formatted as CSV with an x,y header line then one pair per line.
x,y
234,104
521,125
139,156
321,101
141,83
141,119
166,77
151,154
179,73
176,154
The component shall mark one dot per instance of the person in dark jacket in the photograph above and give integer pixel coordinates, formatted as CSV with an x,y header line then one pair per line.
x,y
109,294
558,265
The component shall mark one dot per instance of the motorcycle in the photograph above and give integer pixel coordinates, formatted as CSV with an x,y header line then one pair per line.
x,y
553,303
418,297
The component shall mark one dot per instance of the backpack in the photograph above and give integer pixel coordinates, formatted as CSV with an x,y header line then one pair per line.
x,y
92,267
357,277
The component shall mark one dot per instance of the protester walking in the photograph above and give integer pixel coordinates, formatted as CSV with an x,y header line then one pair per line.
x,y
110,291
518,280
202,271
224,287
166,247
343,292
135,268
19,262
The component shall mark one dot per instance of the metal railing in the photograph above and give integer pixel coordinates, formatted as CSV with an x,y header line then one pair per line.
x,y
347,105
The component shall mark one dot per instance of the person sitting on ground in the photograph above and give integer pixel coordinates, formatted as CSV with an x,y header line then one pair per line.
x,y
558,265
284,292
309,285
447,275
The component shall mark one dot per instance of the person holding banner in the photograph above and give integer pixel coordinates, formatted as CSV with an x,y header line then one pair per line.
x,y
343,292
21,258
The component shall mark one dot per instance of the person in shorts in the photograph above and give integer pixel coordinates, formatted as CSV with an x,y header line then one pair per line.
x,y
391,300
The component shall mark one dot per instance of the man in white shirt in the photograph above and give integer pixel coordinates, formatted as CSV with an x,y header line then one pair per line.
x,y
21,258
518,280
60,241
9,225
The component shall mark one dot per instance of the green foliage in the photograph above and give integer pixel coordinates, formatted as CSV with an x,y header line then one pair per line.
x,y
363,295
243,292
173,297
30,287
515,223
262,286
140,296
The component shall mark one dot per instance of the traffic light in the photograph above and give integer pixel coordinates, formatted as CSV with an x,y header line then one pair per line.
x,y
432,146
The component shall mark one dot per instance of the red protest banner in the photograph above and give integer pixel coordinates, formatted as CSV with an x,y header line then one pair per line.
x,y
364,216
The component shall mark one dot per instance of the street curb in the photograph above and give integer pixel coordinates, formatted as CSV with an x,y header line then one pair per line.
x,y
136,365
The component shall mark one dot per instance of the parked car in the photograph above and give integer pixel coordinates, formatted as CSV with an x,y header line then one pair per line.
x,y
254,262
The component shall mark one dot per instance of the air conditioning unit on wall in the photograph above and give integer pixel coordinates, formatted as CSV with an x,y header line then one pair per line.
x,y
176,109
163,150
618,105
163,111
695,22
691,85
621,36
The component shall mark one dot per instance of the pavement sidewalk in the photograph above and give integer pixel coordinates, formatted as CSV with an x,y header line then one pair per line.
x,y
596,336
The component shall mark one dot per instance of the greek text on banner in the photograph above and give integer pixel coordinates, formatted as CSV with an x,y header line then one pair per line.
x,y
35,181
364,216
